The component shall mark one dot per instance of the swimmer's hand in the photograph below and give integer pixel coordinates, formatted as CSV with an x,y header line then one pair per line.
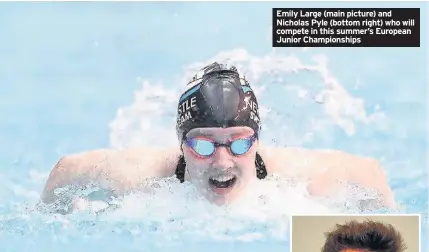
x,y
86,204
73,198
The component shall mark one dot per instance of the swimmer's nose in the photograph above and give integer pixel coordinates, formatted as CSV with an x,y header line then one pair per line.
x,y
222,159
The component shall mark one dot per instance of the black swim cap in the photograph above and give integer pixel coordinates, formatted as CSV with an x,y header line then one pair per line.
x,y
217,97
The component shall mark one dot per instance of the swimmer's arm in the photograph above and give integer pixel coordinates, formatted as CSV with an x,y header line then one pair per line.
x,y
116,171
64,173
368,172
327,169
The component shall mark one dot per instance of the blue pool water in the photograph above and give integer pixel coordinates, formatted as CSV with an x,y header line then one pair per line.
x,y
75,78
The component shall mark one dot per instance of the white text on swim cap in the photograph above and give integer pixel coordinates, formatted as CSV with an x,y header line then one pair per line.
x,y
184,113
253,109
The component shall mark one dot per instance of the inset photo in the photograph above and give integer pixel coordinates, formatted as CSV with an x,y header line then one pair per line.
x,y
357,233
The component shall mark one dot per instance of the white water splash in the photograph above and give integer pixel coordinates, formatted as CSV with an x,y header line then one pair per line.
x,y
150,120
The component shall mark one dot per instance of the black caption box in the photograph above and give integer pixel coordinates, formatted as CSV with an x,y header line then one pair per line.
x,y
345,27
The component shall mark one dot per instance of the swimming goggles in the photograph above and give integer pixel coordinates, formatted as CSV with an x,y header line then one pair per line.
x,y
206,148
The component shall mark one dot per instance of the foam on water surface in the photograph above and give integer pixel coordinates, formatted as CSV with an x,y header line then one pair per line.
x,y
172,216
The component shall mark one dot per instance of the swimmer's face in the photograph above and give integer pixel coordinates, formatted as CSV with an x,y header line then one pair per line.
x,y
222,176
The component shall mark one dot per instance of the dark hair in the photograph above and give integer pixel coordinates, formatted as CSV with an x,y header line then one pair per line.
x,y
368,236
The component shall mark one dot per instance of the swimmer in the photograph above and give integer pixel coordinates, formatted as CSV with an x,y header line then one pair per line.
x,y
218,127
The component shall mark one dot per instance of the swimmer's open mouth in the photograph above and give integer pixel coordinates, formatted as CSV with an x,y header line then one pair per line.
x,y
222,181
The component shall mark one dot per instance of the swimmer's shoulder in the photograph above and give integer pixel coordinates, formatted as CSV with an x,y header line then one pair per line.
x,y
287,161
303,162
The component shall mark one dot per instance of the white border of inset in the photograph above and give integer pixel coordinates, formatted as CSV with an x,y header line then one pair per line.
x,y
353,215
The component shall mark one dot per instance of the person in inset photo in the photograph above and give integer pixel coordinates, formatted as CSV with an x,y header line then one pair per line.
x,y
364,236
